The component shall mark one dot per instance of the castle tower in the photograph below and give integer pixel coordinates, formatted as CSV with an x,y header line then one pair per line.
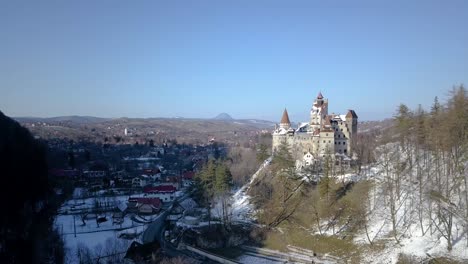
x,y
352,120
285,123
351,123
318,112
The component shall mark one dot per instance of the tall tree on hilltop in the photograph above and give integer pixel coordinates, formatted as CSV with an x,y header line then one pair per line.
x,y
223,185
403,123
262,153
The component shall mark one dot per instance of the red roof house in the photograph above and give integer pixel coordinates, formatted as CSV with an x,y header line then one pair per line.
x,y
188,175
160,189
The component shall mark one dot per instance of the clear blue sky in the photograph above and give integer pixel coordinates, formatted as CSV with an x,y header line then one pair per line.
x,y
247,58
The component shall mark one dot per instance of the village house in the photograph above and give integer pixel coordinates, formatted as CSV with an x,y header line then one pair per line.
x,y
153,174
173,181
94,174
140,181
187,178
164,192
144,205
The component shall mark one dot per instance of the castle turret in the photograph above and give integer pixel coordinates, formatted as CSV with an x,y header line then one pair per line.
x,y
318,112
351,123
285,123
352,120
319,96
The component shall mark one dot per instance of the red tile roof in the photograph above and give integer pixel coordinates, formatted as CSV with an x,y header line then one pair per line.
x,y
188,175
160,189
285,117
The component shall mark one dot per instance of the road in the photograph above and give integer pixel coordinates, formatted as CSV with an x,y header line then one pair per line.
x,y
155,232
155,228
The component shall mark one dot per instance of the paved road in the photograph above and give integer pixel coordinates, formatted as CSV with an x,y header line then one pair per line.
x,y
155,228
155,232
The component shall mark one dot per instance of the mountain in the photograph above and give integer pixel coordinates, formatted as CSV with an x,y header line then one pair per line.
x,y
223,116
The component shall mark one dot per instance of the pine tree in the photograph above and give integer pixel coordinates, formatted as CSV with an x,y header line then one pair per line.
x,y
223,179
262,153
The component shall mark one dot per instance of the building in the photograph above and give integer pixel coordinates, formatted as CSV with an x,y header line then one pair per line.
x,y
324,134
140,181
164,192
144,205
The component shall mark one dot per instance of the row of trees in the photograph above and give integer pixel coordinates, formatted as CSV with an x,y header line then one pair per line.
x,y
424,169
213,186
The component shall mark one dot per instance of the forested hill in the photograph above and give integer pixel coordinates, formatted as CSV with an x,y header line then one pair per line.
x,y
24,221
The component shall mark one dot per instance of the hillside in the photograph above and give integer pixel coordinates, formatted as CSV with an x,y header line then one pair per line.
x,y
223,116
143,129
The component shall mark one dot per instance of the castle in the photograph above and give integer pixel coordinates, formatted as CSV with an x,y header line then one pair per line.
x,y
323,135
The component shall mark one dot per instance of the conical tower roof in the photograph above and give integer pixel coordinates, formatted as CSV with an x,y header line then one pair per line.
x,y
285,118
320,96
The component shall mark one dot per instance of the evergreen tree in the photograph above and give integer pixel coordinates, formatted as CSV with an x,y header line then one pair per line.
x,y
223,179
283,159
262,153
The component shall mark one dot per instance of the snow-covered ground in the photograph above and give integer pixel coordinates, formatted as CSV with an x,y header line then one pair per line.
x,y
258,259
93,236
412,242
241,208
78,204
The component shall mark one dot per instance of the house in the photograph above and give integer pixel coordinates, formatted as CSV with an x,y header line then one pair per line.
x,y
187,178
94,174
119,174
189,204
173,181
160,189
159,150
164,192
140,181
181,207
188,175
153,174
144,205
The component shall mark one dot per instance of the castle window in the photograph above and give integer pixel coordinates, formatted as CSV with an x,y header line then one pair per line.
x,y
324,141
339,143
345,151
341,129
329,141
326,134
335,142
344,143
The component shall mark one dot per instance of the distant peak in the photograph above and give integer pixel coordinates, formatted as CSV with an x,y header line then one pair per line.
x,y
223,116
